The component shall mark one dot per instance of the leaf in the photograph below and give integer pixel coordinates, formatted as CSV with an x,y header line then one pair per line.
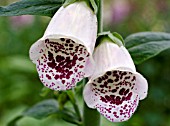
x,y
70,117
32,7
14,121
145,45
43,109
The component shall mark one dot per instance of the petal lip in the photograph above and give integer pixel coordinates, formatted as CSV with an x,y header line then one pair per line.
x,y
36,49
141,86
90,99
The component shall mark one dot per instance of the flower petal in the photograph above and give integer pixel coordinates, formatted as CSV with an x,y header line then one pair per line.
x,y
141,86
109,56
119,113
36,50
112,94
62,63
89,95
76,21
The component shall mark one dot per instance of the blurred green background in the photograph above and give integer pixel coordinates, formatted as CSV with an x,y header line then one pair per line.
x,y
19,84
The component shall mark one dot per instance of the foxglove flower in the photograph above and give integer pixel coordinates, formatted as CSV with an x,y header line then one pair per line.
x,y
64,52
115,88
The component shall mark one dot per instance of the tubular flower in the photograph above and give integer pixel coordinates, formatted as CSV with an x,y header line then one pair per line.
x,y
65,50
115,88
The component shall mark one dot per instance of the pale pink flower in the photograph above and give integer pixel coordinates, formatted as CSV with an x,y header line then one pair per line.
x,y
115,88
63,56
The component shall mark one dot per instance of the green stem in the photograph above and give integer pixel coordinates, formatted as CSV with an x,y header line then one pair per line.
x,y
100,15
92,116
71,95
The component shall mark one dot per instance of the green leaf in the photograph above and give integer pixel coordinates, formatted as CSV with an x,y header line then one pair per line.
x,y
14,121
145,45
43,109
32,7
70,117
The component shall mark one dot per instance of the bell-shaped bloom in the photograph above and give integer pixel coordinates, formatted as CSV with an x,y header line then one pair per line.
x,y
65,50
115,88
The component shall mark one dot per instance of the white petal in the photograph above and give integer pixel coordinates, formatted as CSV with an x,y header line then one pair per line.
x,y
89,96
77,22
119,113
141,86
89,67
109,56
36,50
112,94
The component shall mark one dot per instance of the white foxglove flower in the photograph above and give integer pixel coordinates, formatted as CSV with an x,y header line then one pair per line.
x,y
64,52
115,88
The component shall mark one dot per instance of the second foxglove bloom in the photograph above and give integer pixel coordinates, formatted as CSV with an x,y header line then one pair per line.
x,y
115,87
64,52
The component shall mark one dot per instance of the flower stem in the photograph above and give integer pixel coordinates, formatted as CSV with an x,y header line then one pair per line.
x,y
100,15
92,116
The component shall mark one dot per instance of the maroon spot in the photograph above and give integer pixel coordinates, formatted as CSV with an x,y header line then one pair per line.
x,y
103,99
94,84
127,91
68,40
109,81
81,66
47,40
114,72
128,77
108,73
56,77
71,45
118,100
52,64
129,96
121,91
63,81
48,76
59,58
81,58
134,78
114,90
114,113
99,81
116,80
112,97
62,39
107,98
123,98
50,56
102,86
106,77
